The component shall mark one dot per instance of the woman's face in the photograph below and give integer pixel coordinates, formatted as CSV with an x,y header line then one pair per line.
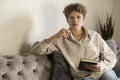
x,y
75,20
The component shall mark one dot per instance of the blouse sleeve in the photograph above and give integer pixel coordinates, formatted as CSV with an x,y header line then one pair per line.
x,y
107,55
43,48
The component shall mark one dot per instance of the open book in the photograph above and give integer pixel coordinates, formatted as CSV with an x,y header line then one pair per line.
x,y
86,61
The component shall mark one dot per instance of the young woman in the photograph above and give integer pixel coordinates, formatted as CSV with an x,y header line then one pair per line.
x,y
78,42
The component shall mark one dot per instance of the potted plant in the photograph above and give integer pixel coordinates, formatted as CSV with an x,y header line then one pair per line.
x,y
107,30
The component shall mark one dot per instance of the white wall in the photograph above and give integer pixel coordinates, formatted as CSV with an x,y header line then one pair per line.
x,y
32,20
50,16
116,8
97,9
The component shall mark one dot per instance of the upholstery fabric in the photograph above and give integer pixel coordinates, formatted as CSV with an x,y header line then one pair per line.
x,y
27,67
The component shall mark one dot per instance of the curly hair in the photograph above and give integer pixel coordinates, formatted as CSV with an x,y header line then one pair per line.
x,y
77,7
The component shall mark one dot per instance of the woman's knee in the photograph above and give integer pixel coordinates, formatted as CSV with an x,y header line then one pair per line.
x,y
109,75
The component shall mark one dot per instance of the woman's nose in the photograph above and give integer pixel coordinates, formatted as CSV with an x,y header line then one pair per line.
x,y
75,19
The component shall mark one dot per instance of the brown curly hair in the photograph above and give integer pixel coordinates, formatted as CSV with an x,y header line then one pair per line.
x,y
77,7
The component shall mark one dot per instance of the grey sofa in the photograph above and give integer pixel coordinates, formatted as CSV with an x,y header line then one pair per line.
x,y
30,67
24,67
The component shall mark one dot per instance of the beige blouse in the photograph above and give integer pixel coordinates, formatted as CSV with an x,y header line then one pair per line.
x,y
91,46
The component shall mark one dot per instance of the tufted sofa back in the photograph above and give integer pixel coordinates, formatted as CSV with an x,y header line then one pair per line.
x,y
28,67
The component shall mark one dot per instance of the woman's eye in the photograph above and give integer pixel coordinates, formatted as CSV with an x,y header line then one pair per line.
x,y
78,17
71,17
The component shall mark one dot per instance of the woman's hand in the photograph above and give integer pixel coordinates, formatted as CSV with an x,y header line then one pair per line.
x,y
65,33
95,67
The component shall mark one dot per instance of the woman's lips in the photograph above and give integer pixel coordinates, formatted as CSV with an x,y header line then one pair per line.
x,y
75,24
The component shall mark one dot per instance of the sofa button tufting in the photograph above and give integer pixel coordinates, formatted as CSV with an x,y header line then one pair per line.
x,y
34,70
24,62
19,73
46,69
8,64
23,67
37,60
4,76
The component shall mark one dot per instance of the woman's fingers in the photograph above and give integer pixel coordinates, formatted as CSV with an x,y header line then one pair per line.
x,y
92,67
66,33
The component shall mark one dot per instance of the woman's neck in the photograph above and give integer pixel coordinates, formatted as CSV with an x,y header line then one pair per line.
x,y
77,33
76,30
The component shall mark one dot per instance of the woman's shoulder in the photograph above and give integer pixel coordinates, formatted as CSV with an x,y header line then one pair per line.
x,y
94,34
89,31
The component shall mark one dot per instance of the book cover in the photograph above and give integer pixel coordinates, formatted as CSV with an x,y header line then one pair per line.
x,y
86,61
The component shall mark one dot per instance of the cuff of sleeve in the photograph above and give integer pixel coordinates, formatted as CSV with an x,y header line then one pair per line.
x,y
40,47
103,65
